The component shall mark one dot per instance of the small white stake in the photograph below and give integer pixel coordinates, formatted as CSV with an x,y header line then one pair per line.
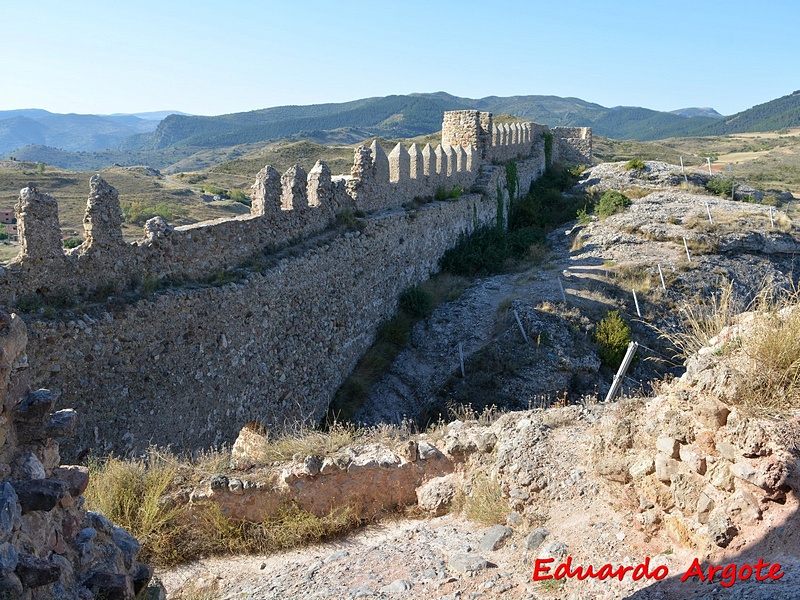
x,y
626,362
521,328
563,293
708,160
661,274
708,210
636,302
771,220
685,245
461,359
682,170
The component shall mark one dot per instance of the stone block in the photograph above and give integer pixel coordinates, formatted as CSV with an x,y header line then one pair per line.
x,y
467,563
720,529
39,494
35,572
704,507
667,467
75,476
535,538
693,458
668,445
494,538
110,585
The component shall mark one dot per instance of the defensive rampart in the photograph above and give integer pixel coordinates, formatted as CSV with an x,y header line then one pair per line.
x,y
189,365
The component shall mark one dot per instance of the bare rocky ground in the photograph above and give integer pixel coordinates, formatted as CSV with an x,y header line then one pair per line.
x,y
668,479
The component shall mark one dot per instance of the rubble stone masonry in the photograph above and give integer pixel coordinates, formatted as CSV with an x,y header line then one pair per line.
x,y
189,365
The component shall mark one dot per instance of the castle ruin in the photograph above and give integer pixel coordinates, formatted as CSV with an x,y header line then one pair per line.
x,y
189,365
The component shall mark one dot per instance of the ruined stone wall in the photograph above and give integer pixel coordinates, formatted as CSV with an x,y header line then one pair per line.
x,y
50,547
190,365
572,145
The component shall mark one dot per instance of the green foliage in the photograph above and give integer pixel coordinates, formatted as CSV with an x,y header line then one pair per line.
x,y
216,191
443,193
721,186
611,203
635,164
511,178
583,216
40,168
73,242
548,148
240,197
489,250
612,337
416,302
350,221
139,212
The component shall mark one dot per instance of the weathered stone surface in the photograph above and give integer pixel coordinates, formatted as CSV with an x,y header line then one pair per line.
x,y
555,550
467,563
75,476
398,586
667,467
693,458
536,538
669,446
720,529
61,424
642,467
494,538
436,495
39,494
10,510
35,572
704,507
110,585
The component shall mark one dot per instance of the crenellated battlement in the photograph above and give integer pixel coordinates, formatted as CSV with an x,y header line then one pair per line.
x,y
285,207
274,345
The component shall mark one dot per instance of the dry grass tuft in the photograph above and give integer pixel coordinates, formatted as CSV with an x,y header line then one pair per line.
x,y
482,500
704,320
772,345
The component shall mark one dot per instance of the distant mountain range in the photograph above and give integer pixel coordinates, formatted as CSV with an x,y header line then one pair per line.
x,y
34,134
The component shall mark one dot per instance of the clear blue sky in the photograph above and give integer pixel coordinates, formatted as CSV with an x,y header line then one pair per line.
x,y
213,57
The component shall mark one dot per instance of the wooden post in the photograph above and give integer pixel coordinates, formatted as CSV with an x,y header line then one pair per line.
x,y
708,160
708,210
771,220
661,274
685,245
636,302
521,328
623,368
461,359
682,169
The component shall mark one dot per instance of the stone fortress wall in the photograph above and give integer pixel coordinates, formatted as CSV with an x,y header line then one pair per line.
x,y
189,365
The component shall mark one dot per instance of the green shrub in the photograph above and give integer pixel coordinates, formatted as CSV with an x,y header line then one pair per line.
x,y
612,337
240,197
635,164
720,186
583,216
548,148
443,193
73,242
416,302
611,203
139,212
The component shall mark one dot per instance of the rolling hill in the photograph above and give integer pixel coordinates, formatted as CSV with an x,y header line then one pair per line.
x,y
92,141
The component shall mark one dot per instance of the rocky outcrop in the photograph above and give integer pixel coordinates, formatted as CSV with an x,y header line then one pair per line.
x,y
50,546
